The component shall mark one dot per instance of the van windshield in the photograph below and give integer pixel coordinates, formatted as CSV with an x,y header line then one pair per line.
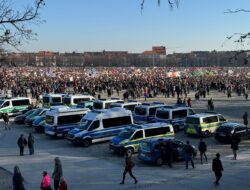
x,y
162,114
45,99
56,99
97,105
115,106
66,101
49,119
140,111
126,134
192,120
84,124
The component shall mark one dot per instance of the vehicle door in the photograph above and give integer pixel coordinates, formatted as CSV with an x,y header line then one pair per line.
x,y
136,139
92,129
5,108
179,153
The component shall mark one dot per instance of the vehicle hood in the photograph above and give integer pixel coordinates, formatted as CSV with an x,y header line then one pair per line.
x,y
74,131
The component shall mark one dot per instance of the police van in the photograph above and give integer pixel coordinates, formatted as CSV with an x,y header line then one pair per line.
x,y
104,104
53,99
73,100
145,112
97,126
13,106
59,120
131,136
173,115
203,124
126,105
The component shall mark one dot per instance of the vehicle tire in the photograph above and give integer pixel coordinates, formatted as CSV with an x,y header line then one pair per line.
x,y
86,142
130,150
159,161
207,133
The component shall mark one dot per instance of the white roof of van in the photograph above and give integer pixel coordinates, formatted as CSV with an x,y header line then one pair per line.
x,y
108,113
63,109
78,96
201,115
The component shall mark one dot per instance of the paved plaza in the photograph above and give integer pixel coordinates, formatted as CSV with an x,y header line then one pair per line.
x,y
96,167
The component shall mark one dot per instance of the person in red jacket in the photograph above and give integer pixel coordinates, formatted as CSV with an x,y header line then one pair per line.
x,y
63,184
189,102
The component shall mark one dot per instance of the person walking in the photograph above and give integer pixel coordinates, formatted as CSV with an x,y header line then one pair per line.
x,y
17,179
202,149
21,142
63,184
245,119
45,184
58,173
31,141
6,120
217,168
129,164
188,149
235,145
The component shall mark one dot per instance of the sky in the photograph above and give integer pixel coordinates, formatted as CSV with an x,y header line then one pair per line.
x,y
120,25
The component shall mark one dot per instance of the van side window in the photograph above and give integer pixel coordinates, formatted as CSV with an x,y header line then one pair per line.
x,y
130,107
107,105
6,104
179,114
20,102
212,119
138,135
68,119
156,131
221,118
78,100
152,111
94,125
117,121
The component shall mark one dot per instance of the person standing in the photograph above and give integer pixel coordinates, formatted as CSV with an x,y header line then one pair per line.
x,y
21,142
45,184
235,145
17,179
129,164
203,149
217,168
245,119
189,102
169,153
188,149
6,120
58,173
31,141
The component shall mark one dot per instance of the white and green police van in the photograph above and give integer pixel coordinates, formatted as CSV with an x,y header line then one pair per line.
x,y
98,126
73,100
13,106
52,100
130,138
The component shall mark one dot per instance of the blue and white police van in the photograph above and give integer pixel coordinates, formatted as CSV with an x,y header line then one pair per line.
x,y
130,105
105,104
58,121
145,112
98,126
173,115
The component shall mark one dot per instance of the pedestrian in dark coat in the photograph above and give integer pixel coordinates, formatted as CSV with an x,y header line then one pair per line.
x,y
203,149
217,168
31,141
129,164
63,184
235,145
58,173
188,149
21,142
17,179
169,153
245,119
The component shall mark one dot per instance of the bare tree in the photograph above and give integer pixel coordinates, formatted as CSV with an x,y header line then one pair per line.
x,y
172,3
14,24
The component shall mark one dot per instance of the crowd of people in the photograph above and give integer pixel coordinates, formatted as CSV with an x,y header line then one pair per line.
x,y
137,82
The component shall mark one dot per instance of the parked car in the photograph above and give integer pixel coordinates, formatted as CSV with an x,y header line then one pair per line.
x,y
225,132
149,150
38,112
20,119
38,124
